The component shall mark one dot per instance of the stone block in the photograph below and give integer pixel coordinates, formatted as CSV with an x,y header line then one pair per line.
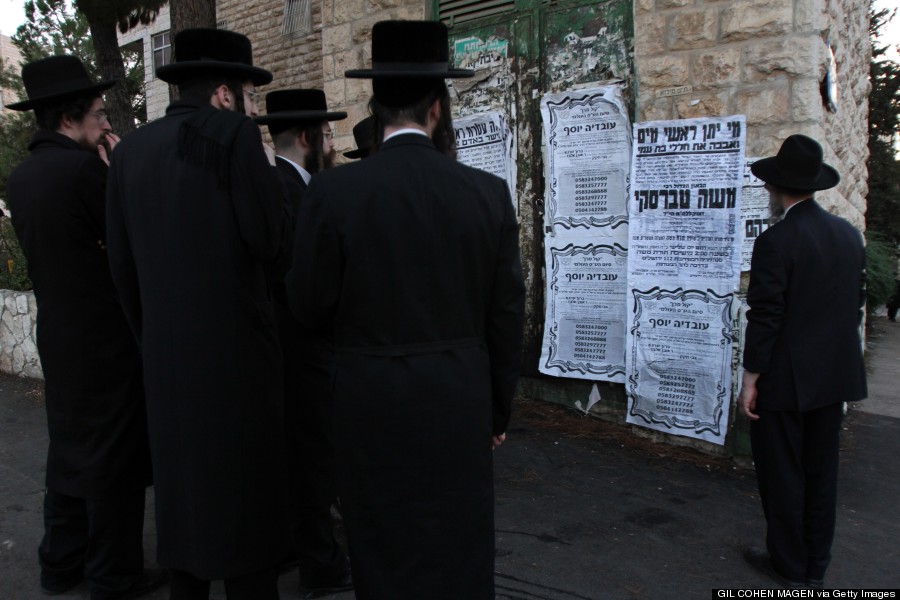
x,y
795,56
716,68
6,362
806,100
377,5
691,30
346,11
764,106
669,70
362,29
664,4
9,301
22,304
18,360
358,90
809,15
643,6
335,39
746,19
655,109
334,91
650,34
713,105
328,67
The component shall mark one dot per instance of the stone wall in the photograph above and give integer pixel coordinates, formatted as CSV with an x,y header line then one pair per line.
x,y
18,337
764,59
295,59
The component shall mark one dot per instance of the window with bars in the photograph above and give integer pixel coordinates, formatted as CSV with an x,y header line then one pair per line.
x,y
162,49
452,12
297,16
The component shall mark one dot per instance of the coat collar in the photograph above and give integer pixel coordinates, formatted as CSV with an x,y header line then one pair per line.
x,y
47,139
408,139
802,207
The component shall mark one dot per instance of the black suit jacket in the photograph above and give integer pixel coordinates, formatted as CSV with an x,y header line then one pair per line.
x,y
807,287
94,389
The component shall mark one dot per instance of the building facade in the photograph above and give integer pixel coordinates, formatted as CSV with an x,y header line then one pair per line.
x,y
12,58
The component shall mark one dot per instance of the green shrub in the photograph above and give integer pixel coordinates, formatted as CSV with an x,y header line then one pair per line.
x,y
13,267
881,271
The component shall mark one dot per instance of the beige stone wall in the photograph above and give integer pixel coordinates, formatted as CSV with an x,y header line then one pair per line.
x,y
157,90
346,44
295,59
764,59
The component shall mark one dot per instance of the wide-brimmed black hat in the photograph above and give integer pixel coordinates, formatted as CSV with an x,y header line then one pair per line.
x,y
203,52
50,80
364,136
797,166
295,107
409,49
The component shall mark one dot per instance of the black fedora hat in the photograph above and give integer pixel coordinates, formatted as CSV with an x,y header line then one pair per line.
x,y
292,107
204,52
364,136
409,49
56,78
797,166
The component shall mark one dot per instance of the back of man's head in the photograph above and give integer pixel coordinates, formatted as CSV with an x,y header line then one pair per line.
x,y
202,90
50,117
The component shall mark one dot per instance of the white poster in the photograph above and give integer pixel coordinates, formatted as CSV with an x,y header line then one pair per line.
x,y
683,269
754,212
584,335
685,202
483,141
588,156
679,374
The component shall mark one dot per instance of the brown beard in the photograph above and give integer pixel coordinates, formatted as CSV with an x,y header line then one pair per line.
x,y
444,137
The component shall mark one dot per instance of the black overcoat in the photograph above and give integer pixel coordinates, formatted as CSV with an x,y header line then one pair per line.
x,y
188,254
413,260
806,292
93,387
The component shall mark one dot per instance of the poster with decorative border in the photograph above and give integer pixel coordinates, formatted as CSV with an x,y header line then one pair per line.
x,y
584,336
588,156
679,362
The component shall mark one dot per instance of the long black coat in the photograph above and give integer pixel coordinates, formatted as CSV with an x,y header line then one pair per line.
x,y
807,287
93,387
412,259
188,253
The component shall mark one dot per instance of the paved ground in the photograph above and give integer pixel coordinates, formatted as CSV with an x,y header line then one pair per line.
x,y
585,510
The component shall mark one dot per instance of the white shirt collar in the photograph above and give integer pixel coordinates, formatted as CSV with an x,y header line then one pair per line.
x,y
788,209
303,172
404,131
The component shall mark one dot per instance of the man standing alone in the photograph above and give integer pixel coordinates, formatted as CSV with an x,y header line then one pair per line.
x,y
196,212
802,361
412,260
98,462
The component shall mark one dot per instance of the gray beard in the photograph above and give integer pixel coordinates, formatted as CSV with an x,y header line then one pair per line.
x,y
776,210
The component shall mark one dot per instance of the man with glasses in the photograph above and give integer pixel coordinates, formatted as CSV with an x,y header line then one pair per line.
x,y
298,121
196,216
98,462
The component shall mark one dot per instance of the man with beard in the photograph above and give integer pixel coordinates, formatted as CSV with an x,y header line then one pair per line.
x,y
98,462
196,213
802,361
298,122
411,260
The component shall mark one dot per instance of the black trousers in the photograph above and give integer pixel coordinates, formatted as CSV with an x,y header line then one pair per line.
x,y
308,372
98,539
262,585
796,457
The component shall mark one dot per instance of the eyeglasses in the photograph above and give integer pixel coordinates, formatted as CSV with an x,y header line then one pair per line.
x,y
328,134
252,94
100,115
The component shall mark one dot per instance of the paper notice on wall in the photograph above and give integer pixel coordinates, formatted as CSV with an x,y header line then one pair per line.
x,y
679,367
685,202
754,212
588,156
684,263
584,330
483,141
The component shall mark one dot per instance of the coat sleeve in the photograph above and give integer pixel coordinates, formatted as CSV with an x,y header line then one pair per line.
x,y
314,282
118,250
505,318
766,296
259,197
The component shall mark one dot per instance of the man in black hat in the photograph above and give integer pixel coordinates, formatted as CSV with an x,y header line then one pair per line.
x,y
298,122
412,261
196,213
364,134
98,462
802,361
